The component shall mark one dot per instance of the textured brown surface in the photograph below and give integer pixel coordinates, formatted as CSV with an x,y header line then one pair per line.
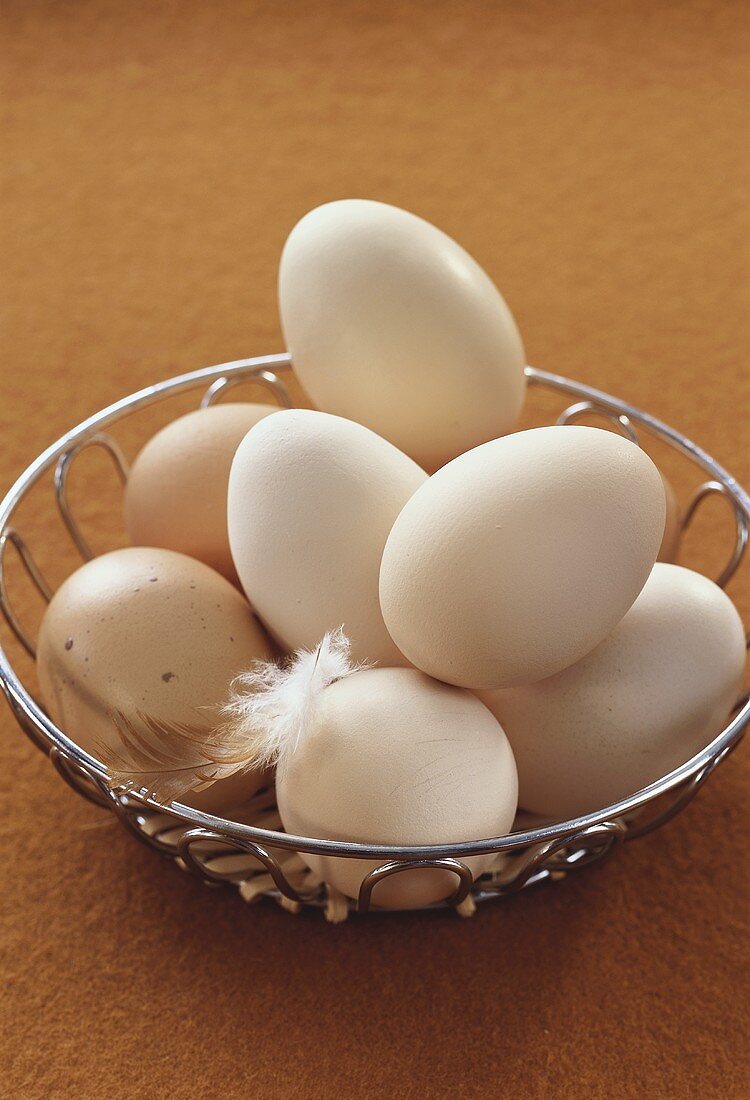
x,y
594,157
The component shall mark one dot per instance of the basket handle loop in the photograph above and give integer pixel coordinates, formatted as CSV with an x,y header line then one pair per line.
x,y
62,471
370,881
594,843
622,423
262,854
640,824
10,535
80,779
265,378
715,488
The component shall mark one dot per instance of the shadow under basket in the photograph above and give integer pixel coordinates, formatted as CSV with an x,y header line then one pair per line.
x,y
259,858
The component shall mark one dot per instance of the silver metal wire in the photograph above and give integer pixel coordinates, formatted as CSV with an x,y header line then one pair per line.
x,y
643,824
9,536
79,779
62,471
547,852
717,488
583,409
396,867
189,841
266,378
562,854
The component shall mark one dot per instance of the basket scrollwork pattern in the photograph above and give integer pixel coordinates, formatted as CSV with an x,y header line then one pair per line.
x,y
259,858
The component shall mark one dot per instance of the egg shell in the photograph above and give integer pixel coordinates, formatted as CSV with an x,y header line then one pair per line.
x,y
391,323
397,758
644,701
312,498
517,558
153,631
176,493
670,543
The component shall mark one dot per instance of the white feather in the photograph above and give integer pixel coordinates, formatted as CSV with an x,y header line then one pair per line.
x,y
272,707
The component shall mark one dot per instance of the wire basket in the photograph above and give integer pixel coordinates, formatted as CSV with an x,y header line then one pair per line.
x,y
260,858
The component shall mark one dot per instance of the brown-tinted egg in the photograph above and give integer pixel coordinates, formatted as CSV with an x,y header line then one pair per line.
x,y
176,495
149,634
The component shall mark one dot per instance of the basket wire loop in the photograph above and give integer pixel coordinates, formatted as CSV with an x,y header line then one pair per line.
x,y
189,839
62,472
29,727
79,779
164,839
582,409
133,817
395,867
265,378
564,853
744,698
93,788
622,423
641,823
10,535
715,488
547,852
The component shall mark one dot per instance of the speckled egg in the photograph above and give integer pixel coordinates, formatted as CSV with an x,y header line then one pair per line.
x,y
151,634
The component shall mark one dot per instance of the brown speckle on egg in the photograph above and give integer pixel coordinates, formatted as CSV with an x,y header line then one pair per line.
x,y
146,654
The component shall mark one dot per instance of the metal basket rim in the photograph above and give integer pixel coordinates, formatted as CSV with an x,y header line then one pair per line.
x,y
54,738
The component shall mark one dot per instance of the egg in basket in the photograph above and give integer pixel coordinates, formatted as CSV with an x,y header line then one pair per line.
x,y
390,651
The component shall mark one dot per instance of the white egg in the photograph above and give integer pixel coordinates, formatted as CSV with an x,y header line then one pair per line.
x,y
391,323
517,558
312,498
644,701
395,758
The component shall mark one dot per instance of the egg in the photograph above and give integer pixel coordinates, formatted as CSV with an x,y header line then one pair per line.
x,y
517,558
391,323
645,700
312,498
670,543
176,493
155,638
395,758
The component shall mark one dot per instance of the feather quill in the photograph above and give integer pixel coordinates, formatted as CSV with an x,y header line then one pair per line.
x,y
165,759
271,707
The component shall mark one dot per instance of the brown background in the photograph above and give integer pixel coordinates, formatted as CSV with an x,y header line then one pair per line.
x,y
594,157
